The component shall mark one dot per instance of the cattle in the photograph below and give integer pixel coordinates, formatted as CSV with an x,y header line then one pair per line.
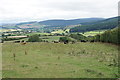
x,y
43,40
66,42
56,41
23,43
92,41
46,41
83,41
16,41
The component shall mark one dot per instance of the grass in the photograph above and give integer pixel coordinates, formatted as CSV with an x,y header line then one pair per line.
x,y
57,60
93,33
60,31
51,38
30,34
46,38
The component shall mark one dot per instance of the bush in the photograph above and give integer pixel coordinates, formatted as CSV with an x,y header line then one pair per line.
x,y
34,38
63,39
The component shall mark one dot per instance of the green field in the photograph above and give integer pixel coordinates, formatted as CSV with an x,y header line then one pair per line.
x,y
60,31
51,38
93,33
38,33
46,38
58,60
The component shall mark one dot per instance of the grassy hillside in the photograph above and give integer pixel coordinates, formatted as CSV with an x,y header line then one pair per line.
x,y
93,33
52,60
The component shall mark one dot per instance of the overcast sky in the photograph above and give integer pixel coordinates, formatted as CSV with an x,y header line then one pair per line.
x,y
38,10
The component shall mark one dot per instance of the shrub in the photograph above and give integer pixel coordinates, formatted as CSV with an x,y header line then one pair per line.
x,y
34,38
63,39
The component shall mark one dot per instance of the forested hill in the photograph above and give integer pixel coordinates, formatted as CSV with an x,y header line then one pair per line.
x,y
98,25
49,24
64,23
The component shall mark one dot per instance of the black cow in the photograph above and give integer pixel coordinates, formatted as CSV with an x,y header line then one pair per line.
x,y
22,41
56,41
16,41
92,41
66,42
83,41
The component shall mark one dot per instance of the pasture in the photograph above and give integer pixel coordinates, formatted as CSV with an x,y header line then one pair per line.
x,y
30,34
93,33
50,38
60,31
58,60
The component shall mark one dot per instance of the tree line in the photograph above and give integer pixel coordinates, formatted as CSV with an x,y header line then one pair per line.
x,y
110,36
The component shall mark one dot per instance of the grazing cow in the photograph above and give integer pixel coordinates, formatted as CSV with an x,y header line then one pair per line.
x,y
83,41
23,43
56,41
92,41
47,41
66,42
16,41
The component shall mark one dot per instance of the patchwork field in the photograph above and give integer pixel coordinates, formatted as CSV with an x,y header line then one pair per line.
x,y
93,33
58,60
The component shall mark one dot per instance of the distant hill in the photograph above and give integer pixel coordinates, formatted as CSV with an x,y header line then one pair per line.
x,y
9,26
27,23
98,25
51,24
63,23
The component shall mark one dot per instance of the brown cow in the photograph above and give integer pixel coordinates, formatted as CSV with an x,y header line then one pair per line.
x,y
56,41
23,43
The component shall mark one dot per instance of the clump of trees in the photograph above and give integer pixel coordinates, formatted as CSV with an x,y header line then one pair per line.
x,y
64,39
77,36
34,38
110,36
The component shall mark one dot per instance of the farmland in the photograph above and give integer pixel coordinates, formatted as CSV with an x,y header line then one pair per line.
x,y
58,53
58,60
93,33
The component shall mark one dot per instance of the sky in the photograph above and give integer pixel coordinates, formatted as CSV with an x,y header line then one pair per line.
x,y
12,11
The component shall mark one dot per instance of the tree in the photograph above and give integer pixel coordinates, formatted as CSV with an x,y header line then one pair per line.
x,y
63,39
34,38
110,36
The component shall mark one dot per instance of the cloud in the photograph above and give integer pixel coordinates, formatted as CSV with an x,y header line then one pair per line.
x,y
28,10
